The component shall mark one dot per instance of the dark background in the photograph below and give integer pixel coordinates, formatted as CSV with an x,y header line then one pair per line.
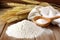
x,y
52,1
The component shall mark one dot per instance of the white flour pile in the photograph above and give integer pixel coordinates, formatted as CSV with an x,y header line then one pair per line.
x,y
24,29
41,21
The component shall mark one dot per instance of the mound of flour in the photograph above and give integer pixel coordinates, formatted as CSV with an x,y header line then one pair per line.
x,y
24,29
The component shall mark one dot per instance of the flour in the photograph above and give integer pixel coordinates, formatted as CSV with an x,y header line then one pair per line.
x,y
58,25
24,29
34,12
56,21
41,21
47,12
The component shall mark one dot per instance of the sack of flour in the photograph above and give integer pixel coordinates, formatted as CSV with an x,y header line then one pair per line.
x,y
47,12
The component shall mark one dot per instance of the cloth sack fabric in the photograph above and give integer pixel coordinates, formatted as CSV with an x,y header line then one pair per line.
x,y
47,12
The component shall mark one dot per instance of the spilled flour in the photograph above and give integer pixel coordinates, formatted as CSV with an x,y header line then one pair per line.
x,y
24,29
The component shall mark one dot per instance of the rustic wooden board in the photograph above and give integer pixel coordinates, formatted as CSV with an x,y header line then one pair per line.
x,y
2,23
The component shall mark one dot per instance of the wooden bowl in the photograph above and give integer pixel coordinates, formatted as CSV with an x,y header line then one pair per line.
x,y
40,17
